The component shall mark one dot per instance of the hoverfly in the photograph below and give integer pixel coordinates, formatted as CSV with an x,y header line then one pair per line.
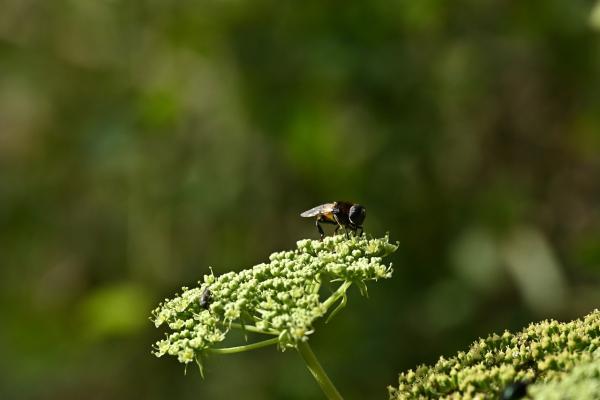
x,y
340,213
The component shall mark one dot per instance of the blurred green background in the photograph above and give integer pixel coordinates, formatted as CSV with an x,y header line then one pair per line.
x,y
143,141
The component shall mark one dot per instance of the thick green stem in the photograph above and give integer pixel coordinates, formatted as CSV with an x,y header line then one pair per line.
x,y
247,347
318,372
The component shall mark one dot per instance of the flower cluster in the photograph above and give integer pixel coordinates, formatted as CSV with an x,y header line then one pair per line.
x,y
582,383
281,298
543,352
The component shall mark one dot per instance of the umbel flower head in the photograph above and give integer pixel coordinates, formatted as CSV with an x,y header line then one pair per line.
x,y
281,298
582,383
542,353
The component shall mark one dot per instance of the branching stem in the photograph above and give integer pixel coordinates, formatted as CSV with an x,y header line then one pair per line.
x,y
247,347
337,294
318,372
252,328
312,363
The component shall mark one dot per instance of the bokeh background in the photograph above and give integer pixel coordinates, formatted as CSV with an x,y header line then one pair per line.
x,y
143,141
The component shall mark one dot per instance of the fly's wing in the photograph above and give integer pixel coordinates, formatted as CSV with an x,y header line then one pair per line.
x,y
322,209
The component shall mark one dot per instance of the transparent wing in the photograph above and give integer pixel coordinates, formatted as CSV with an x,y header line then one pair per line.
x,y
322,209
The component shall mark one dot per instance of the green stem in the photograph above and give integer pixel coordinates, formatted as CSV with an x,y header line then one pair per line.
x,y
247,347
337,294
318,372
252,328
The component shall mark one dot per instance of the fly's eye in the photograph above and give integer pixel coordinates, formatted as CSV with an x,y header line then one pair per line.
x,y
357,214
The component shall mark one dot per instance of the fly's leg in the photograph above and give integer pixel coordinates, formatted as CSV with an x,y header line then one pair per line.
x,y
337,228
339,225
360,228
320,228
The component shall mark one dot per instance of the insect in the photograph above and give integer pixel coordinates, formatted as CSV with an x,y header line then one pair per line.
x,y
340,213
514,391
205,299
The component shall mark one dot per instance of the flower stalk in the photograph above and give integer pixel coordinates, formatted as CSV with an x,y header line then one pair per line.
x,y
317,371
281,298
247,347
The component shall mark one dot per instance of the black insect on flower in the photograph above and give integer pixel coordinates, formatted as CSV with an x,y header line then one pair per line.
x,y
341,213
205,299
514,391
